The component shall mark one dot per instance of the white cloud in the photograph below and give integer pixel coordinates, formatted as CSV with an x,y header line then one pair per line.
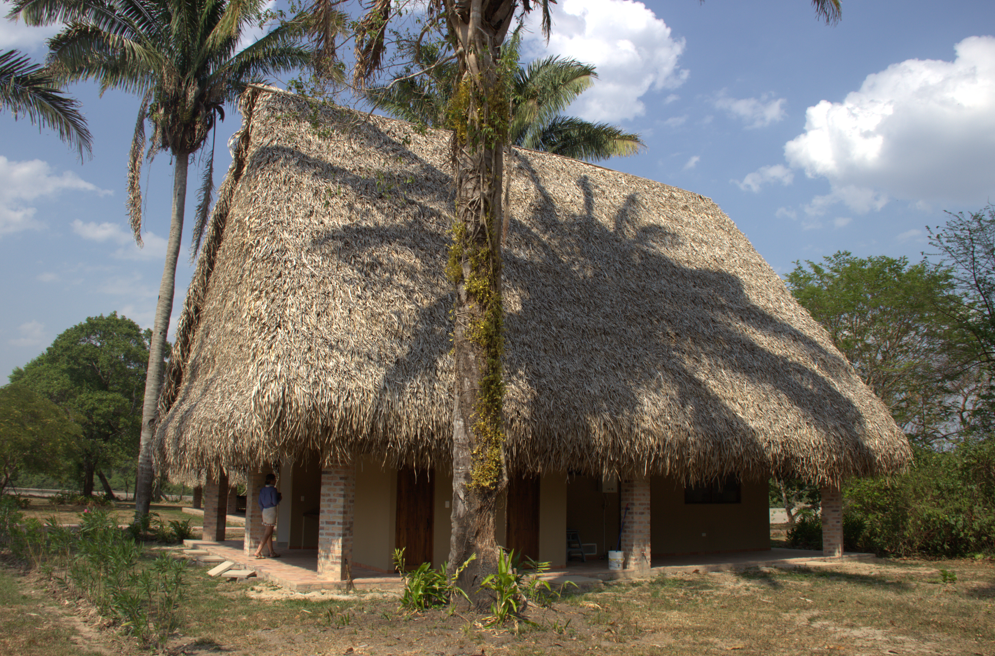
x,y
154,248
755,113
15,34
910,235
23,182
48,276
785,213
920,130
842,221
632,49
691,163
32,334
763,175
675,121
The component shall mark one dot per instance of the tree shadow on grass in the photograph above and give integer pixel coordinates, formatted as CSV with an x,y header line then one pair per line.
x,y
775,578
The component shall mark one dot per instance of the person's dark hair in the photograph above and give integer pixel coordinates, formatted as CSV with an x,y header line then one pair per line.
x,y
270,478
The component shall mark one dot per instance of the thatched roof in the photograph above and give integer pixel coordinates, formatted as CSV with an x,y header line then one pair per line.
x,y
644,332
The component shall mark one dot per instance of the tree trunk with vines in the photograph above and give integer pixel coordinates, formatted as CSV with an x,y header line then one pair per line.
x,y
479,115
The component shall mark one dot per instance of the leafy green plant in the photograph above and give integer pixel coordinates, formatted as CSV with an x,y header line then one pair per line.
x,y
181,529
513,588
425,587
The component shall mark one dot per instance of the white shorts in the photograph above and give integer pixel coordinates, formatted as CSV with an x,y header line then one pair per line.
x,y
269,516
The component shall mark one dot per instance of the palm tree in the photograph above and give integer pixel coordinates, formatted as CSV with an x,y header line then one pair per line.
x,y
540,94
182,59
481,122
27,88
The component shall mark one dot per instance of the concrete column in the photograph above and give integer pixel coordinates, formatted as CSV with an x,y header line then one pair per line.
x,y
832,522
198,495
335,521
636,540
254,481
215,493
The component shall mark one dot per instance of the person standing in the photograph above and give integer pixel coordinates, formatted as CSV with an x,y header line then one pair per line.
x,y
269,499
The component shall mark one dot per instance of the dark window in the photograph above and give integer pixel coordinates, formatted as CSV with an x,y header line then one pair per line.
x,y
727,490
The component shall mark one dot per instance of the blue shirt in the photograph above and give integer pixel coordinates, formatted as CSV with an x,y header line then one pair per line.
x,y
268,497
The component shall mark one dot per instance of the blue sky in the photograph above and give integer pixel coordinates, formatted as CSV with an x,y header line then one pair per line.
x,y
812,138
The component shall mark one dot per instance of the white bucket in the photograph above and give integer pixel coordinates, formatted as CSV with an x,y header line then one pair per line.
x,y
614,560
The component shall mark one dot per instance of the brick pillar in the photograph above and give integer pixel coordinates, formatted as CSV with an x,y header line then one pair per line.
x,y
215,491
832,522
254,481
335,521
636,540
232,500
198,495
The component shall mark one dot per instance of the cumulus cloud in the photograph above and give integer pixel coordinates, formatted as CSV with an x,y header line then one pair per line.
x,y
24,182
764,175
32,334
755,113
633,50
920,130
691,163
842,221
154,248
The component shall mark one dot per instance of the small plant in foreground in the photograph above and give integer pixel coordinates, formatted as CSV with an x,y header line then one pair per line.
x,y
425,587
513,589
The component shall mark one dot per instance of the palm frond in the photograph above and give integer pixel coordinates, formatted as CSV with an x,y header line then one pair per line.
x,y
580,139
545,89
30,89
85,52
369,48
204,198
135,170
829,10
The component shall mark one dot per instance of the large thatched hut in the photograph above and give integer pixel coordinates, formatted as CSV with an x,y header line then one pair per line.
x,y
656,366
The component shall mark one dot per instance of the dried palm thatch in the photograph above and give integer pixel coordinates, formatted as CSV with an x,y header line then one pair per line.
x,y
644,332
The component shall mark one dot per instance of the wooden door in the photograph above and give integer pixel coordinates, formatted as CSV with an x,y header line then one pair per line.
x,y
523,517
415,515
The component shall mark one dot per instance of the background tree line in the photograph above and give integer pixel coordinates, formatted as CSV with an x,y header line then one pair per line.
x,y
922,336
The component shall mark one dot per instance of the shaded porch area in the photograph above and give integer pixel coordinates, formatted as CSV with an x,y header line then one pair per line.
x,y
297,569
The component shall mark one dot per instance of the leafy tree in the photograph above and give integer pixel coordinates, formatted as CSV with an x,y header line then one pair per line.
x,y
95,372
27,88
540,93
182,59
897,324
35,434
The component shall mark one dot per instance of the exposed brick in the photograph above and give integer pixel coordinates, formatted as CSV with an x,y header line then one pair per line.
x,y
214,496
636,537
254,482
335,521
832,522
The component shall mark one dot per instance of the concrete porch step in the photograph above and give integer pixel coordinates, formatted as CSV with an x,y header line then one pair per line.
x,y
238,574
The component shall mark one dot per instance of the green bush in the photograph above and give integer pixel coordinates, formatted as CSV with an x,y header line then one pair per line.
x,y
943,507
807,532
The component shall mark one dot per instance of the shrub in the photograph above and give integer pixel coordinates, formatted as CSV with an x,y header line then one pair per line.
x,y
943,507
807,531
425,587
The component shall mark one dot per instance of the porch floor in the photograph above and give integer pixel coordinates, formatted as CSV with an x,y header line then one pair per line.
x,y
297,569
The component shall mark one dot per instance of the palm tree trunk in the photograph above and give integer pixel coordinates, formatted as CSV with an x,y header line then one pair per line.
x,y
157,350
479,475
